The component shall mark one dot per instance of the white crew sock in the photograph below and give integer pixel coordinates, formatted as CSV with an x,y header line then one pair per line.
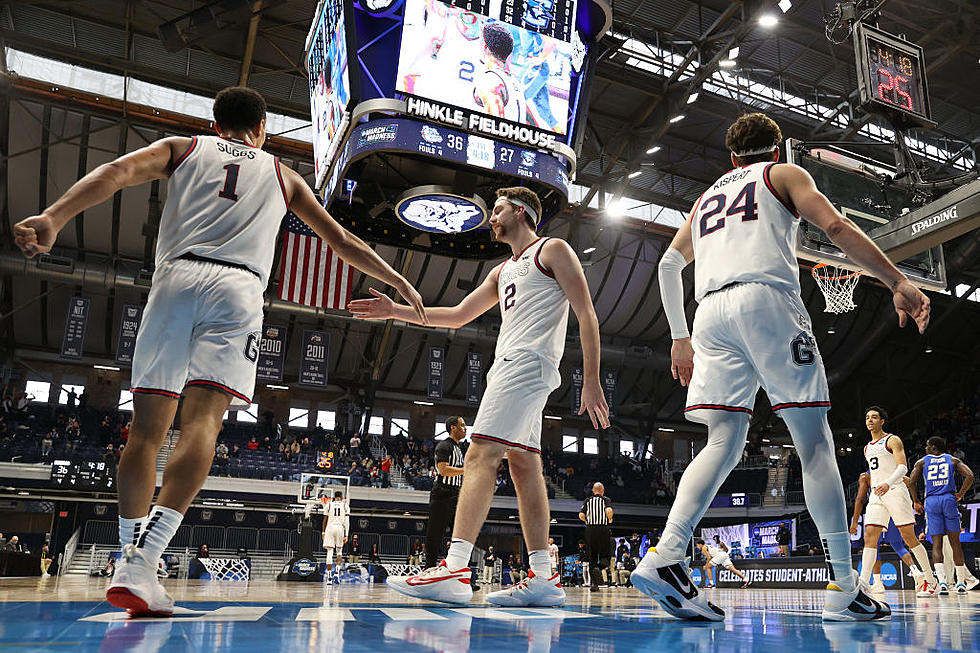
x,y
962,574
459,554
868,557
161,526
540,563
922,558
130,530
941,573
948,559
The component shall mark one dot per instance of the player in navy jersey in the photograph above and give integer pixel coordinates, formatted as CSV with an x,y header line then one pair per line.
x,y
942,516
200,334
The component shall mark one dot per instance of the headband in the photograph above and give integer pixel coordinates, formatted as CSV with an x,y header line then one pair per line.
x,y
761,150
531,212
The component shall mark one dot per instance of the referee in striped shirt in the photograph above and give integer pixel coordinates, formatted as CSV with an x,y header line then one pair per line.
x,y
445,491
597,513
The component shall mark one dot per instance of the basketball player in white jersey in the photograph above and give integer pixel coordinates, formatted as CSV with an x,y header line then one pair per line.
x,y
534,289
553,555
752,329
336,525
716,555
890,500
201,327
496,89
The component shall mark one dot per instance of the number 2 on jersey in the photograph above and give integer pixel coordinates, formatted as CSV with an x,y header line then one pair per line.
x,y
744,203
509,293
231,181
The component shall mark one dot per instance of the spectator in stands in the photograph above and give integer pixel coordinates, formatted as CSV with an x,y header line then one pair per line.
x,y
266,444
22,400
783,538
623,569
415,555
203,551
295,448
355,445
109,456
252,444
355,549
489,560
14,545
235,451
46,446
517,571
386,471
3,542
72,397
623,548
374,557
109,569
45,561
222,448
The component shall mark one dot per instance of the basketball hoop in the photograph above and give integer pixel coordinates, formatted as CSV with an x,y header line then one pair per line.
x,y
837,285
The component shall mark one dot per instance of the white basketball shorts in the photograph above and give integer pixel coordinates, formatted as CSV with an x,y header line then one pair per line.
x,y
722,560
333,537
201,327
750,335
518,386
896,505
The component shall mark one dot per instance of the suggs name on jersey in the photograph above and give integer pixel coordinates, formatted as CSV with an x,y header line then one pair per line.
x,y
234,151
519,270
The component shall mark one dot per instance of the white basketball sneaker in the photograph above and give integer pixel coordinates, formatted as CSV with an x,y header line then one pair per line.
x,y
926,589
671,586
533,591
136,588
877,587
961,588
855,605
972,582
437,583
942,589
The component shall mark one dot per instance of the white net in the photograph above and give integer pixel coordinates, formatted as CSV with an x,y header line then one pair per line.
x,y
226,568
837,285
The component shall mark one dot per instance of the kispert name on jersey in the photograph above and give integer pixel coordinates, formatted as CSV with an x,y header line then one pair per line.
x,y
225,201
743,213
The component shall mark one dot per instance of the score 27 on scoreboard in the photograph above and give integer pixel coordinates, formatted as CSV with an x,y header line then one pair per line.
x,y
422,108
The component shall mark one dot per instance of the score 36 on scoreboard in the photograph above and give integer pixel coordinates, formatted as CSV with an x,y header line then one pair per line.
x,y
892,77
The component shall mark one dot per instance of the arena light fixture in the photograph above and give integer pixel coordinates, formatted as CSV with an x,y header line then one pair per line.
x,y
106,367
848,450
733,53
424,403
692,98
616,208
768,20
928,349
665,430
766,440
677,118
276,387
635,174
552,416
654,149
787,446
785,5
727,63
850,435
588,251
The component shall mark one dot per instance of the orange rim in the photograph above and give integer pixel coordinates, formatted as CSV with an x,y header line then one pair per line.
x,y
817,274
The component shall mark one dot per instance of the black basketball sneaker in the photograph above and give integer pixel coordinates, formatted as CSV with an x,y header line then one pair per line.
x,y
671,586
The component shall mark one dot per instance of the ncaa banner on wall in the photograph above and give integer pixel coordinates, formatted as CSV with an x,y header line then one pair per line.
x,y
609,389
75,325
436,360
577,379
316,356
129,325
474,377
272,353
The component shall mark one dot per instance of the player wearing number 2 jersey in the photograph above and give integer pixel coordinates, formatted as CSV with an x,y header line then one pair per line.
x,y
534,289
751,329
200,330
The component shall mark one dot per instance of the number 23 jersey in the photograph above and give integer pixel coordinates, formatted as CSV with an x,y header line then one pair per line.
x,y
743,231
225,201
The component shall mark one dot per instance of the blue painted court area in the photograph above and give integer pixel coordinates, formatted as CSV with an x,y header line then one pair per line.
x,y
764,621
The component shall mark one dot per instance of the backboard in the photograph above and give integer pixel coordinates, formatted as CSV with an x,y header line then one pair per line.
x,y
314,487
861,189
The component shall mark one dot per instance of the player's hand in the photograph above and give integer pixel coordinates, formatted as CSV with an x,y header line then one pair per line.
x,y
345,540
853,530
882,489
379,308
959,497
414,299
682,360
910,302
918,508
594,401
35,235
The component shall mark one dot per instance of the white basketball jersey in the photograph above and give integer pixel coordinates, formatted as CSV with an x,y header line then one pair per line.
x,y
512,96
881,462
533,307
715,551
338,514
225,201
743,231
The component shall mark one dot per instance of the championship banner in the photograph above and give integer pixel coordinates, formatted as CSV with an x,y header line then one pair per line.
x,y
609,389
129,325
577,380
74,341
436,360
316,357
474,377
272,353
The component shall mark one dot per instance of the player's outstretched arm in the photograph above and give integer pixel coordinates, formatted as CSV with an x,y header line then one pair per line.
x,y
473,306
862,494
37,234
672,263
816,208
557,256
913,484
349,247
967,475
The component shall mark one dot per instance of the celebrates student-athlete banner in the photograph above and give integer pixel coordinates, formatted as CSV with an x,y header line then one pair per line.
x,y
129,325
75,325
474,377
316,358
609,389
577,379
272,353
436,360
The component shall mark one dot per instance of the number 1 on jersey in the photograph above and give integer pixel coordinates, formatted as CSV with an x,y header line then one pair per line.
x,y
231,181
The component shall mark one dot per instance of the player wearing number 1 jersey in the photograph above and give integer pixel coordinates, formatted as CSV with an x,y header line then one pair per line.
x,y
751,329
200,332
534,289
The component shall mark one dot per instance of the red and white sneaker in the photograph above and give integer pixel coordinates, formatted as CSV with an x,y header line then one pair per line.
x,y
437,583
533,591
926,589
136,588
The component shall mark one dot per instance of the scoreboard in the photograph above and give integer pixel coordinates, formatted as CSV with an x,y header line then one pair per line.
x,y
892,77
83,475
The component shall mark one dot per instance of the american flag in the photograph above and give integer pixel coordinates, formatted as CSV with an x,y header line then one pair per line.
x,y
311,273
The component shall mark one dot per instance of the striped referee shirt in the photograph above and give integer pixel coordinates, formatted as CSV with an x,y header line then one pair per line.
x,y
594,510
449,451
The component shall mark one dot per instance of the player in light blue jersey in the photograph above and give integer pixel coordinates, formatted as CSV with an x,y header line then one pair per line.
x,y
942,517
